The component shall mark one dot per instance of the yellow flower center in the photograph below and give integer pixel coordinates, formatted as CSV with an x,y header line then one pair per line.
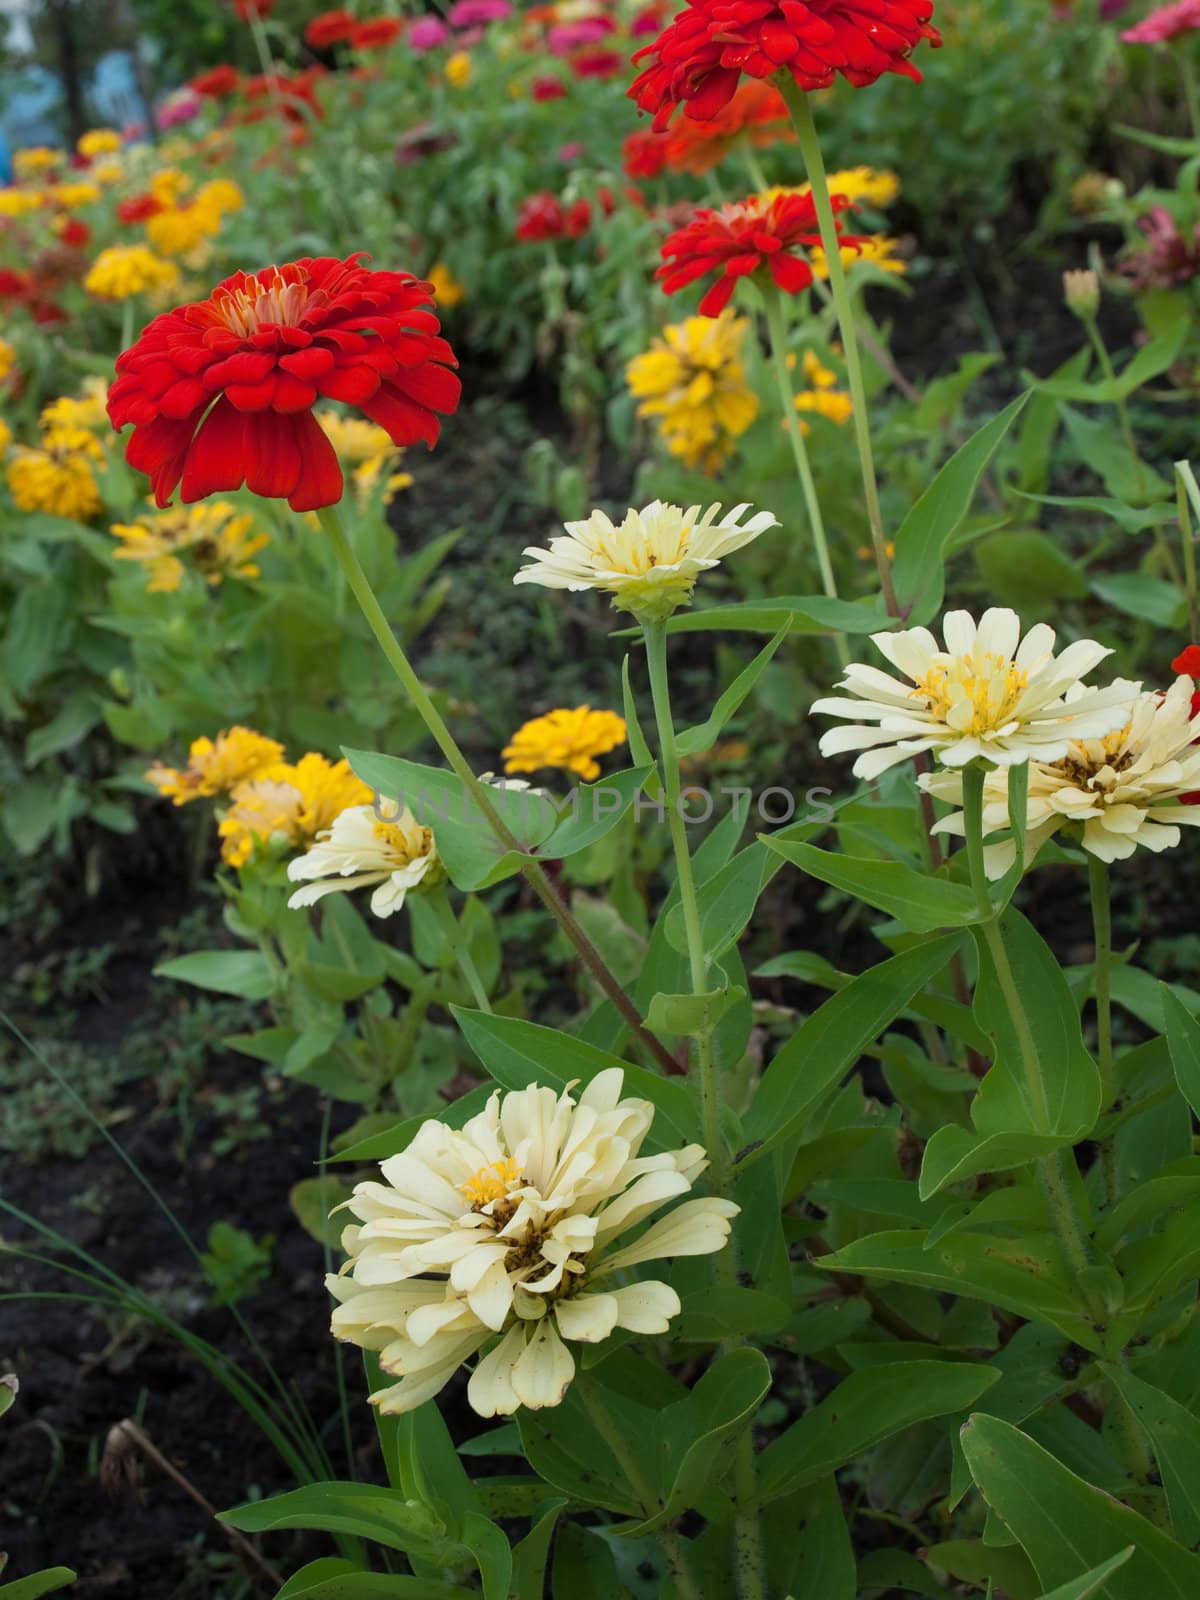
x,y
491,1182
973,694
281,300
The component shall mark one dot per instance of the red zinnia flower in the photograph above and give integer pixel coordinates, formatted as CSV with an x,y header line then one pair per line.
x,y
742,239
1187,663
757,111
221,391
597,63
331,27
374,35
698,58
248,10
645,153
139,207
217,82
540,217
74,233
547,89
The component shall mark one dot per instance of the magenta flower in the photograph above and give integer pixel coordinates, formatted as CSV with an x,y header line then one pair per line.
x,y
1171,257
475,13
1182,16
565,37
427,33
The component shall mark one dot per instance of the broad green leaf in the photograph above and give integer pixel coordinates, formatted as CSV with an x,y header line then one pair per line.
x,y
918,902
564,1447
1099,445
690,1013
692,1436
429,1467
1183,1041
1028,570
796,613
1065,1525
518,1053
390,1141
8,1391
79,714
245,973
1019,1275
1088,1583
594,811
583,1567
1004,1567
808,1545
726,902
1141,595
831,1040
37,1584
920,572
944,395
1017,1120
492,1553
866,1408
1151,360
1175,1437
359,1509
530,1555
332,1578
695,741
313,1200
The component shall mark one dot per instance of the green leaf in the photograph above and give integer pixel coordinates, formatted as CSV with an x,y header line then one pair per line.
x,y
1087,1583
808,1545
638,748
429,1467
563,1446
37,1584
691,1013
1027,570
1065,1525
1175,1437
726,902
795,613
1131,518
693,1434
79,714
399,1135
1183,1041
517,1053
335,983
359,1509
584,1568
918,902
332,1578
1141,595
695,741
866,1408
594,812
1099,445
312,1201
1021,1275
530,1556
245,973
492,1553
1011,1126
919,572
1151,360
830,1041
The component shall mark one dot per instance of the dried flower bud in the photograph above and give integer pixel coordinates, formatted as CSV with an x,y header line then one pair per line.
x,y
1082,293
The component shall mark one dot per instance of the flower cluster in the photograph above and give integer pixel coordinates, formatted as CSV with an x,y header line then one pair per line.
x,y
568,739
59,474
756,115
692,381
822,398
124,270
509,1230
542,216
367,455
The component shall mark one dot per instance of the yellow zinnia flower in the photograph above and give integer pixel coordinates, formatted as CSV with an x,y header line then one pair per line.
x,y
297,802
447,289
99,142
85,410
8,358
216,766
71,195
38,158
16,202
218,540
58,477
127,269
458,70
692,379
168,183
568,739
875,186
179,229
5,436
367,451
877,248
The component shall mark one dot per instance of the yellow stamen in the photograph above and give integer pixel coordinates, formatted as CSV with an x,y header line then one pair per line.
x,y
491,1182
974,694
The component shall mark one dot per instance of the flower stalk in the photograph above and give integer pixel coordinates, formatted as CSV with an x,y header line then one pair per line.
x,y
534,872
456,939
810,150
1188,498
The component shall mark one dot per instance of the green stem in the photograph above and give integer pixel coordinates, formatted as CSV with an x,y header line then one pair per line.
x,y
127,317
810,150
1106,366
777,333
1187,490
1052,1169
655,635
455,937
750,161
1102,927
1188,73
535,874
627,1457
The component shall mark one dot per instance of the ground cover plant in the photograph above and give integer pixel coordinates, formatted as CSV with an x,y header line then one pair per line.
x,y
601,734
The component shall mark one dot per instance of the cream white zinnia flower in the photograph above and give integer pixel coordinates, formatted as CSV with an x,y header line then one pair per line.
x,y
988,694
509,1228
650,563
361,848
1127,789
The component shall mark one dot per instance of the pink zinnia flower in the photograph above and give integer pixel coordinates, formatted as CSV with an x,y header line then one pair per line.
x,y
427,33
1165,23
567,36
474,13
